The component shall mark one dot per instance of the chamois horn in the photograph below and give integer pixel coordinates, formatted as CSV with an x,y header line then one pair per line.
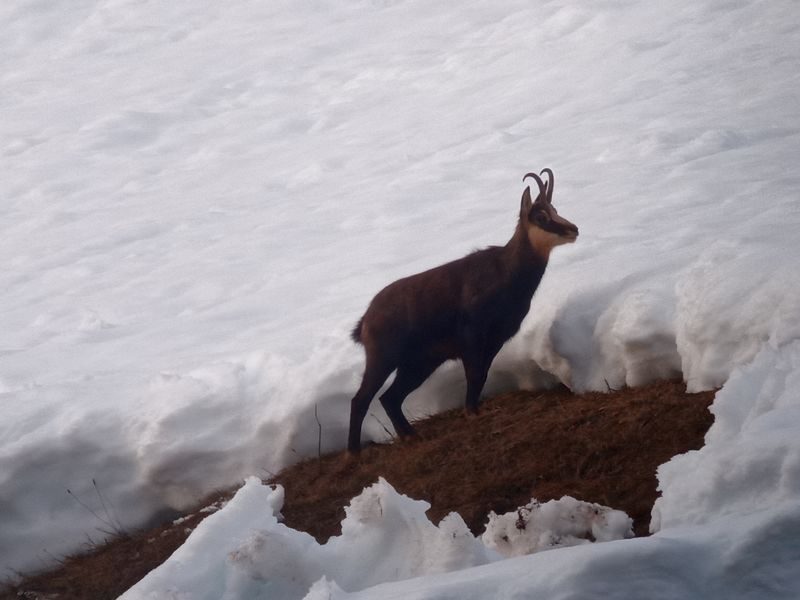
x,y
540,183
552,181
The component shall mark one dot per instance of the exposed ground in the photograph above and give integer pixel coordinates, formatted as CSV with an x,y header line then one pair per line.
x,y
598,447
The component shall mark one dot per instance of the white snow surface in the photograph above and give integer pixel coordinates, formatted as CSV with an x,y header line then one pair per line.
x,y
245,552
199,199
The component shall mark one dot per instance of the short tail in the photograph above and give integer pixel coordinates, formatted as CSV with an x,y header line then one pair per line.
x,y
355,335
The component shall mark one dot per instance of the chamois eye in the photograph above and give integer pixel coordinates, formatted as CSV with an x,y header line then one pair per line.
x,y
538,217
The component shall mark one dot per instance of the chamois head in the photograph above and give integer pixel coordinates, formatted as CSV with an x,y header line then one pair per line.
x,y
545,228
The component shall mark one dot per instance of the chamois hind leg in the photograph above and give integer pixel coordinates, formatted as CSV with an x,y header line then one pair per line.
x,y
409,377
375,373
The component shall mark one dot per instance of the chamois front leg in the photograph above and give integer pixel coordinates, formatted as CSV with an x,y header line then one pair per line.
x,y
476,378
477,361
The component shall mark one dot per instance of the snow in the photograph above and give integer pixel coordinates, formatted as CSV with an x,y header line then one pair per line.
x,y
554,524
751,457
243,551
199,200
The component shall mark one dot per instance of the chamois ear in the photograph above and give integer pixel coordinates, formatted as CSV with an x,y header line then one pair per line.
x,y
526,203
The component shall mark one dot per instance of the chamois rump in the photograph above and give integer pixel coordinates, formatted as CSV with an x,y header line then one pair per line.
x,y
465,309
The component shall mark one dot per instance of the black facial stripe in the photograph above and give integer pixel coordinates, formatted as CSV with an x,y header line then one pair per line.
x,y
554,227
549,225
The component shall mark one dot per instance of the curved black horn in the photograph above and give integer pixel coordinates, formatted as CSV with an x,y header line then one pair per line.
x,y
540,183
552,181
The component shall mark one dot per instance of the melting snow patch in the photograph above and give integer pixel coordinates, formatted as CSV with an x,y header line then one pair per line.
x,y
557,523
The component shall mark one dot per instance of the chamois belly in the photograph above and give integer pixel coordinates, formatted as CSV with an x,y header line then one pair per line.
x,y
431,347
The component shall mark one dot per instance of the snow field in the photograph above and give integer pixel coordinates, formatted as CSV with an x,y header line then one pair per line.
x,y
199,201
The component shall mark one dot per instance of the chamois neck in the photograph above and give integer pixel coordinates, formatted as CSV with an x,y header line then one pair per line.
x,y
523,255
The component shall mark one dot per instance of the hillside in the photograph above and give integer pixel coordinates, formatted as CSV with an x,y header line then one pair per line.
x,y
200,200
597,447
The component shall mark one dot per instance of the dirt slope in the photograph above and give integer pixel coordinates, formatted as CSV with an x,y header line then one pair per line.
x,y
596,447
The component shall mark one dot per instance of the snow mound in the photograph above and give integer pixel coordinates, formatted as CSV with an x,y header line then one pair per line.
x,y
554,524
750,558
243,551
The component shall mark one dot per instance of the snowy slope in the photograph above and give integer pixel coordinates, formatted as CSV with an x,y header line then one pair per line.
x,y
728,526
199,199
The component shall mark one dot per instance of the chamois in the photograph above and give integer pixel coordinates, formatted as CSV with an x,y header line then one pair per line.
x,y
465,309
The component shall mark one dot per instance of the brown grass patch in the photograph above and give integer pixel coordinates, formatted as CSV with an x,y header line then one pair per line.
x,y
596,447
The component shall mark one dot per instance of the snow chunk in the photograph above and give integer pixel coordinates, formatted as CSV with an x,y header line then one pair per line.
x,y
390,536
557,523
325,589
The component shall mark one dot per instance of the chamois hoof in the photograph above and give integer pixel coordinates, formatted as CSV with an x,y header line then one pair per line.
x,y
407,436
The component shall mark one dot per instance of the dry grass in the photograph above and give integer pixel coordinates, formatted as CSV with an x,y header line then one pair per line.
x,y
596,447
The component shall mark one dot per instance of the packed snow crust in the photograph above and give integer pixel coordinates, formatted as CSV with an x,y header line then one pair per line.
x,y
199,199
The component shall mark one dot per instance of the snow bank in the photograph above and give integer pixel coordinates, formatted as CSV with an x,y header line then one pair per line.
x,y
199,200
751,558
243,551
751,459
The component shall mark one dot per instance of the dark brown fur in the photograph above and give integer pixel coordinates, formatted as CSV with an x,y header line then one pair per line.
x,y
465,309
